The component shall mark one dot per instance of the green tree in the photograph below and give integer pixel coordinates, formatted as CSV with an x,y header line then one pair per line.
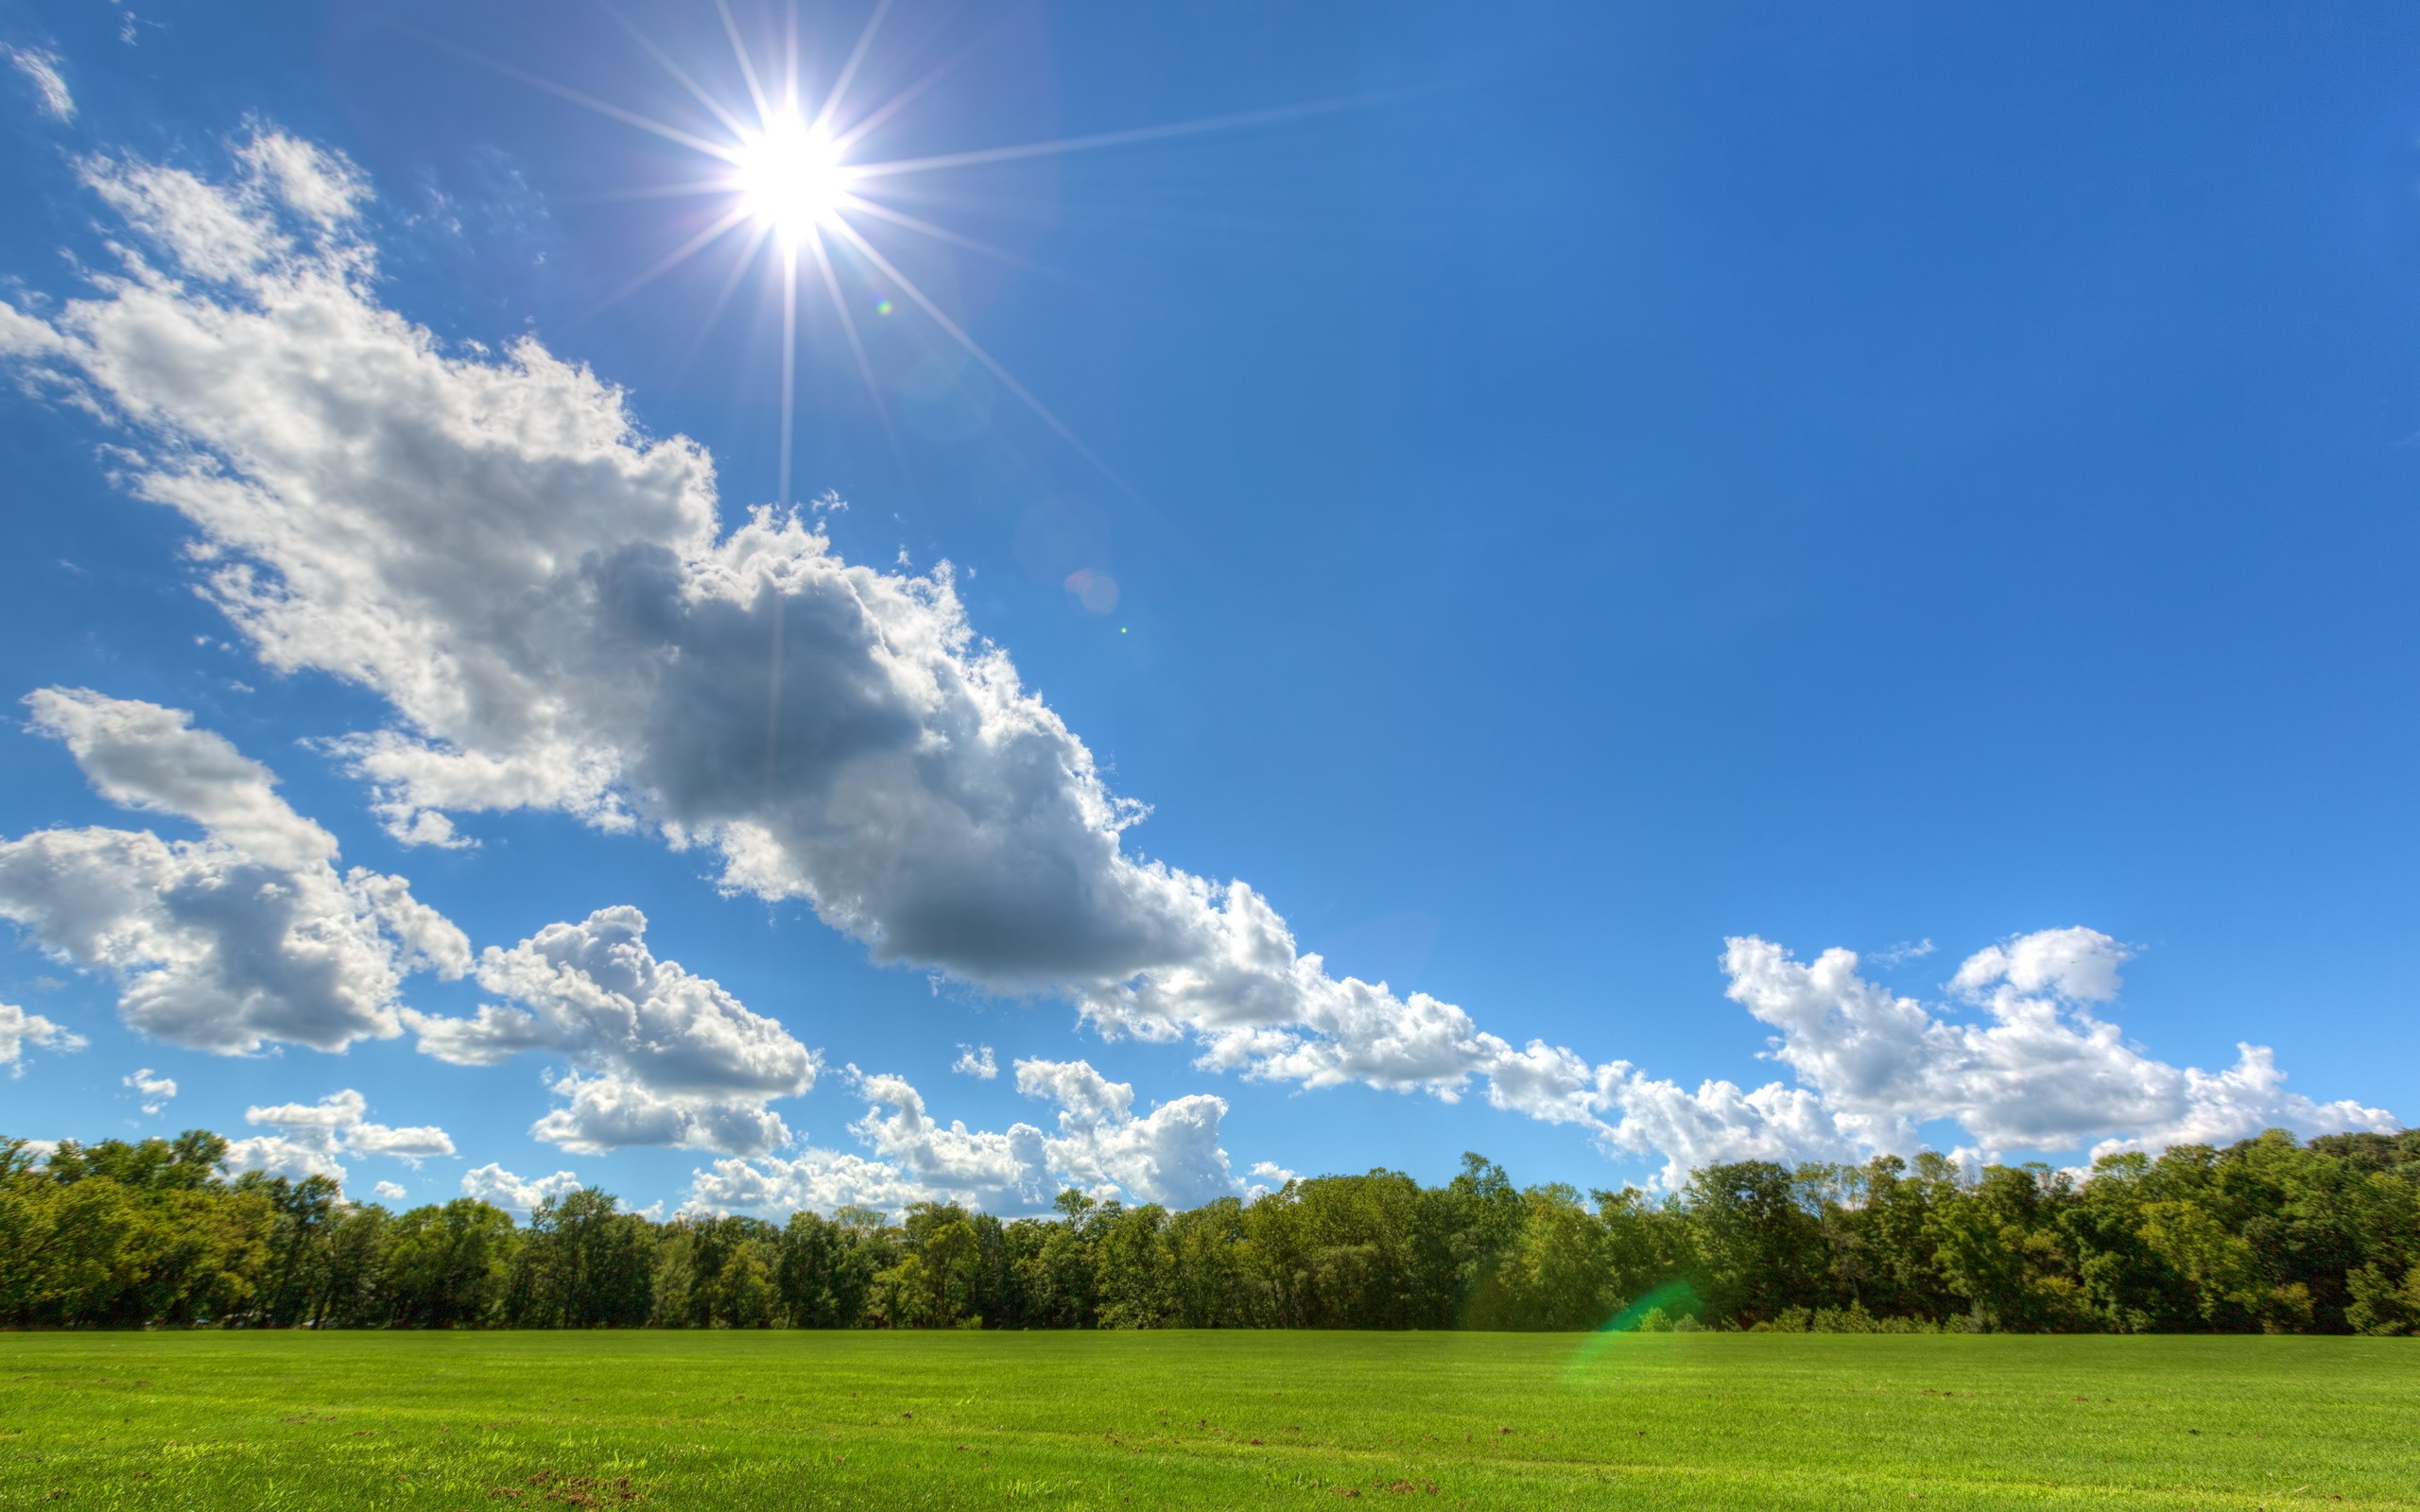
x,y
447,1266
1757,1243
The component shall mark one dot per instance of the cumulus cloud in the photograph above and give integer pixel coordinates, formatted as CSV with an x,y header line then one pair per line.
x,y
19,1029
493,1184
42,71
1169,1155
310,1136
244,936
2041,1073
546,600
155,1089
661,1057
388,1191
975,1060
814,1180
975,1165
2079,965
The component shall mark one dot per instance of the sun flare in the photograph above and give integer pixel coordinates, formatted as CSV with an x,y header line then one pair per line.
x,y
794,198
789,177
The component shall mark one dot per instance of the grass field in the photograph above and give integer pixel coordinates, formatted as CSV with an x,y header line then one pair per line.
x,y
880,1421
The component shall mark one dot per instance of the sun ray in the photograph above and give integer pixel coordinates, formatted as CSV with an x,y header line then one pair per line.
x,y
714,233
789,370
849,70
900,217
747,69
975,349
670,133
1103,139
900,101
789,57
693,189
722,298
857,346
696,91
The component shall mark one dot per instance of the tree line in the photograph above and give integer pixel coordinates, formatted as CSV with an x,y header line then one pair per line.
x,y
2266,1235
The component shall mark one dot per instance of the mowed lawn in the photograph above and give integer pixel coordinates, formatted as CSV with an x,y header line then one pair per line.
x,y
878,1420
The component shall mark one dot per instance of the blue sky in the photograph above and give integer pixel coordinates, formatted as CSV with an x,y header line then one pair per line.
x,y
1603,482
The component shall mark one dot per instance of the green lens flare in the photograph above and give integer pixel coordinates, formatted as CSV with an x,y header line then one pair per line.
x,y
1652,1312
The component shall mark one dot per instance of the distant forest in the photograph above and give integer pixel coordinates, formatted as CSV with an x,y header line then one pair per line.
x,y
2268,1235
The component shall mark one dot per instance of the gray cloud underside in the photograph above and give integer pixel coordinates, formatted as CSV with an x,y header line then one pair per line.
x,y
244,936
662,1056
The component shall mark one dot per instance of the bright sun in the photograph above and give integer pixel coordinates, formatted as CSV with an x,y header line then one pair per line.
x,y
789,178
785,178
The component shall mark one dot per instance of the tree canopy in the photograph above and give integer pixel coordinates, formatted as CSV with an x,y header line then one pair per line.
x,y
2266,1235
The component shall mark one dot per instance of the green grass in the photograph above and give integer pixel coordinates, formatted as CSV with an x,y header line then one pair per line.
x,y
882,1421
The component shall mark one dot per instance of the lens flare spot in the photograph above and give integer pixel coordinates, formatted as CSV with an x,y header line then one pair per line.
x,y
1094,589
883,306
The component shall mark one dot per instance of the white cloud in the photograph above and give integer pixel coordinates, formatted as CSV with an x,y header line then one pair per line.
x,y
1268,1178
155,1089
50,90
244,936
310,1136
19,1029
815,1179
546,600
977,1165
1169,1155
975,1060
388,1191
492,1183
2080,965
1721,1122
2043,1073
670,1057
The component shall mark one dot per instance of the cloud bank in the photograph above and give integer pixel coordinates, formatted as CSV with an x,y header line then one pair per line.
x,y
1169,1155
2041,1073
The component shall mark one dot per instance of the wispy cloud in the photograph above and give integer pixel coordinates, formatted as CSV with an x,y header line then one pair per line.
x,y
50,90
1894,956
